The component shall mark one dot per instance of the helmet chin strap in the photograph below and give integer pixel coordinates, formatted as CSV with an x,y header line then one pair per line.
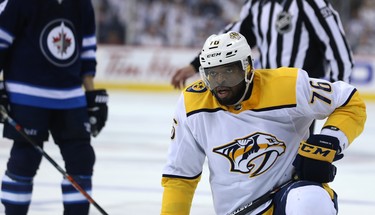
x,y
237,105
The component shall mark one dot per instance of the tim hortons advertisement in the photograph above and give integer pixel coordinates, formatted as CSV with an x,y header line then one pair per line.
x,y
145,68
140,68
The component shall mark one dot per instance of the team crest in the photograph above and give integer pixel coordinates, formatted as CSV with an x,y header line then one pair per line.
x,y
58,43
283,22
197,87
254,154
234,35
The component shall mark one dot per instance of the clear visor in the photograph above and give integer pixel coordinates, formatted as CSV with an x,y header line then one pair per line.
x,y
228,75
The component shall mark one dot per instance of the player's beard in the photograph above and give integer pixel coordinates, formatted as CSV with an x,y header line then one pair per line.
x,y
229,95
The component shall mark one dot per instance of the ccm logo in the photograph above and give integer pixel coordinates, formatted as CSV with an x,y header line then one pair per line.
x,y
316,152
213,55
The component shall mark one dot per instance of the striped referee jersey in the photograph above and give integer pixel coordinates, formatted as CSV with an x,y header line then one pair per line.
x,y
307,34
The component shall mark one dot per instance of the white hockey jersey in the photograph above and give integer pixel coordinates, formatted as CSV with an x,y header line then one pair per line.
x,y
250,151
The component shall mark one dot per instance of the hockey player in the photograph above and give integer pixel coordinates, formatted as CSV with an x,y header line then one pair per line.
x,y
47,54
252,126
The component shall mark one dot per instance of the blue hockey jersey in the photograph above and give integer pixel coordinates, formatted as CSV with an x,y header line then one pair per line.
x,y
46,46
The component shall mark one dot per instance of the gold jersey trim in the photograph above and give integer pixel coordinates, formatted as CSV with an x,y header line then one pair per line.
x,y
271,89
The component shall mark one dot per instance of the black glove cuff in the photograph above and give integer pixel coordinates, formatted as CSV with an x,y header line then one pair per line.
x,y
314,170
324,141
96,97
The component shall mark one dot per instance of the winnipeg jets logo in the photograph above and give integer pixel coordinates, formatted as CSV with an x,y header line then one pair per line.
x,y
254,154
62,40
58,43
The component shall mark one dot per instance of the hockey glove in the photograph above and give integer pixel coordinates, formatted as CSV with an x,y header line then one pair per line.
x,y
315,156
97,109
4,102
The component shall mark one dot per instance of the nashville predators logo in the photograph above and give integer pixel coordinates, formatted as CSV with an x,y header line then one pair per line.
x,y
234,35
197,87
254,154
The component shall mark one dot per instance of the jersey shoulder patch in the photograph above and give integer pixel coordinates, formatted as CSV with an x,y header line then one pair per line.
x,y
198,97
274,88
197,87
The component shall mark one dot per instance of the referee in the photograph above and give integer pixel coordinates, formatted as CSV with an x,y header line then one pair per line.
x,y
307,34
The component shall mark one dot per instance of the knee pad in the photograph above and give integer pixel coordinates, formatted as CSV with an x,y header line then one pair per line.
x,y
309,200
24,159
79,158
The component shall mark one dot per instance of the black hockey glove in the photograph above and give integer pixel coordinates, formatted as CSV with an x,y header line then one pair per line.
x,y
315,156
97,109
4,102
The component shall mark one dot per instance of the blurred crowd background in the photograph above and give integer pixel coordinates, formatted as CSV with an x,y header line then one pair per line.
x,y
187,23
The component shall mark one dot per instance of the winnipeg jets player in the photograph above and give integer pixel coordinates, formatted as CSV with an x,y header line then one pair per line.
x,y
252,126
47,54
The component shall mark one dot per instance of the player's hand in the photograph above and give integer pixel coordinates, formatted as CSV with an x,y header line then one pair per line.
x,y
97,109
179,78
4,102
315,157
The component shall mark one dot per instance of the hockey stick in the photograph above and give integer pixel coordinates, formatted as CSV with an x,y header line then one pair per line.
x,y
243,210
20,130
